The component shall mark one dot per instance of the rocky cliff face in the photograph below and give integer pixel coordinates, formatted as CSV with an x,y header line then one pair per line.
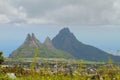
x,y
66,41
31,41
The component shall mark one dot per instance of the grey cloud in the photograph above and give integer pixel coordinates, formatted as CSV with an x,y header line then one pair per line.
x,y
63,11
9,13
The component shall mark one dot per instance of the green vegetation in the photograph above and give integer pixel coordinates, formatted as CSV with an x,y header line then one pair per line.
x,y
63,72
1,57
45,62
45,50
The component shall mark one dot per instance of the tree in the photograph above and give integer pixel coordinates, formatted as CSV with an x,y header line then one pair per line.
x,y
1,57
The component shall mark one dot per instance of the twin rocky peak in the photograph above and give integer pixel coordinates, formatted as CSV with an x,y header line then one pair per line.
x,y
32,41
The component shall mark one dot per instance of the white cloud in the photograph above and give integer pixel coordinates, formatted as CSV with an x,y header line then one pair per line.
x,y
4,19
60,11
9,13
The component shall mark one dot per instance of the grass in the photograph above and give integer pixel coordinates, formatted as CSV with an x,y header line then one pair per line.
x,y
78,70
109,72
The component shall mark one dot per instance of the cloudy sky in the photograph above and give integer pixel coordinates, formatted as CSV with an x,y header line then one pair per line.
x,y
94,22
60,11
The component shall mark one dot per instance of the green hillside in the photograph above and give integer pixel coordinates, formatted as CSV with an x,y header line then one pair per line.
x,y
45,50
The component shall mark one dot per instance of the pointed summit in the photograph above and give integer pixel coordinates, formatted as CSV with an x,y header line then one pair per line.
x,y
66,41
33,36
27,48
65,30
48,43
31,41
36,40
28,37
66,34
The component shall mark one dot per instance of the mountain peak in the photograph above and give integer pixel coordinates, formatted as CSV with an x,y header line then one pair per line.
x,y
48,42
66,33
28,37
65,30
48,38
64,36
33,36
66,41
31,40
